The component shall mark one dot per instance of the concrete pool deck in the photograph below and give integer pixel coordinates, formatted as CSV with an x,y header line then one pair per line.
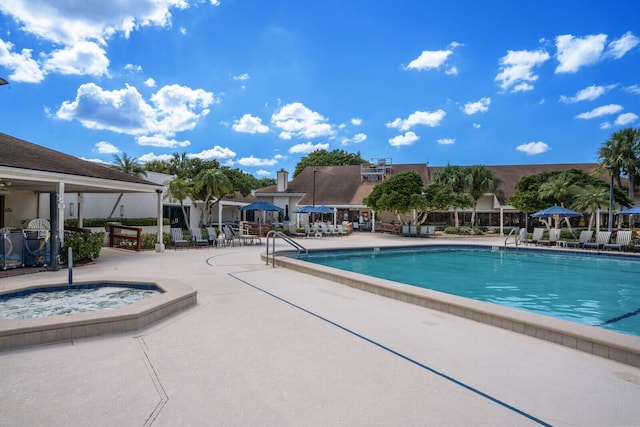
x,y
271,346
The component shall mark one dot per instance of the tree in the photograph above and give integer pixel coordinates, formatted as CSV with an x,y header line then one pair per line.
x,y
328,158
211,185
479,180
450,179
128,165
399,194
180,189
589,199
559,187
621,155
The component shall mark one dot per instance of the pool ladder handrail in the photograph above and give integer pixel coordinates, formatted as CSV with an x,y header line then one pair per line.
x,y
273,234
514,231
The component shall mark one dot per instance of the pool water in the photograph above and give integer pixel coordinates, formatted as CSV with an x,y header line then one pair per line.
x,y
596,290
59,300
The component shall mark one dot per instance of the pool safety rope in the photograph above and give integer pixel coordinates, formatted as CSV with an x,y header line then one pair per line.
x,y
402,356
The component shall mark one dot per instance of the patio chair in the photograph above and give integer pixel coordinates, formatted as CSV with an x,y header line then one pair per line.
x,y
341,230
537,235
198,240
413,231
212,236
623,240
602,238
230,237
177,238
585,236
554,236
405,231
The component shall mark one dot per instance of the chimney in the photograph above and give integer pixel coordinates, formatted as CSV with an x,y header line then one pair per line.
x,y
283,180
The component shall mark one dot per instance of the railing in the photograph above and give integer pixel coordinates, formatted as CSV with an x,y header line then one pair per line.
x,y
390,228
289,240
115,236
515,231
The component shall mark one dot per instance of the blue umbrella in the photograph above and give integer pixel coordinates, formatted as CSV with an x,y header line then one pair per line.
x,y
261,205
324,209
555,211
631,211
307,209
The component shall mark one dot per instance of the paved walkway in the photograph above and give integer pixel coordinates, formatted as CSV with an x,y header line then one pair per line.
x,y
274,347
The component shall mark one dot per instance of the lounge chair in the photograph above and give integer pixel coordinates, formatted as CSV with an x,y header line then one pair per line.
x,y
623,240
585,236
177,238
405,231
522,238
424,231
537,235
212,236
554,236
341,230
413,231
198,240
602,238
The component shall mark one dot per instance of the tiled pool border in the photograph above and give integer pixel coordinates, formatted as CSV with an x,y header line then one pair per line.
x,y
590,339
46,330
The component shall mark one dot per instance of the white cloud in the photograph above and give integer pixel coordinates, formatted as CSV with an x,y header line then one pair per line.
x,y
99,161
250,124
242,77
172,109
254,161
308,147
516,69
624,44
427,118
134,68
217,152
23,68
575,52
262,172
80,30
533,148
632,89
587,94
433,59
453,71
477,125
446,141
83,58
150,82
104,147
356,121
151,156
296,120
480,106
626,118
160,140
600,111
407,139
605,125
359,137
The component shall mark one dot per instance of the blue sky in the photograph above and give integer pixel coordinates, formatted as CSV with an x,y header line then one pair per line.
x,y
259,84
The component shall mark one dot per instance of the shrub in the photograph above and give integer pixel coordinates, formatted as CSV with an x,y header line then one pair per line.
x,y
468,231
85,246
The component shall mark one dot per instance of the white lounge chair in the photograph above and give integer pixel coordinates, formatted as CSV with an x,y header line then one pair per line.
x,y
537,235
198,240
585,236
623,240
602,238
177,238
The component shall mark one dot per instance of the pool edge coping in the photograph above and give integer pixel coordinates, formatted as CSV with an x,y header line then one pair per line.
x,y
600,342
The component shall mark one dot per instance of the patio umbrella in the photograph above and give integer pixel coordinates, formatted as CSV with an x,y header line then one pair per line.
x,y
261,205
308,209
631,211
556,212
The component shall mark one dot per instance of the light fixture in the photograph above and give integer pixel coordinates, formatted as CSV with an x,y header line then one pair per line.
x,y
72,209
121,210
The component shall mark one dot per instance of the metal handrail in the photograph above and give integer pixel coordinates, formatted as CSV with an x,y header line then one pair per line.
x,y
513,231
289,240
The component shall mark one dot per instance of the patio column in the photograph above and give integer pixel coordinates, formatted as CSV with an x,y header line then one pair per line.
x,y
80,213
501,221
60,206
159,233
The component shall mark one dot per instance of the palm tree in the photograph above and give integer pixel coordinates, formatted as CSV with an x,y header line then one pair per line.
x,y
128,165
452,177
621,154
589,199
560,187
180,189
479,180
211,185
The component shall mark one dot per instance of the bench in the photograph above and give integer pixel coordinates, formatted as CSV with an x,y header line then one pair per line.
x,y
116,234
390,228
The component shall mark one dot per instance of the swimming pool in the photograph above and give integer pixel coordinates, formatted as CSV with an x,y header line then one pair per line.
x,y
592,289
